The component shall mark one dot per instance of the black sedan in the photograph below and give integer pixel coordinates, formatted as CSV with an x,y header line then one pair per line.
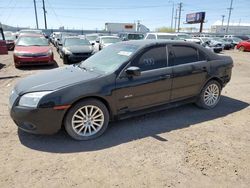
x,y
75,50
122,80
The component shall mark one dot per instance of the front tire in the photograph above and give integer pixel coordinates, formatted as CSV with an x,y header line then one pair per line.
x,y
210,95
242,48
88,119
65,60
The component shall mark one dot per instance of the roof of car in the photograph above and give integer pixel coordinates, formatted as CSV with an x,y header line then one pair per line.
x,y
108,37
159,33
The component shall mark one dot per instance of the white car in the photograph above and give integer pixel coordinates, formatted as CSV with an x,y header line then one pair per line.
x,y
166,36
104,41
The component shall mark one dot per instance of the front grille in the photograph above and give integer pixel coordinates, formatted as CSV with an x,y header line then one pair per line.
x,y
82,54
35,55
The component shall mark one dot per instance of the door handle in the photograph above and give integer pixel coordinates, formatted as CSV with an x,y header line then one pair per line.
x,y
203,69
167,76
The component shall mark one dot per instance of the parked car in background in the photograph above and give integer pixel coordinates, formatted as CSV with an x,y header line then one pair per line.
x,y
166,36
233,40
61,38
242,37
29,31
92,37
3,45
75,50
186,37
206,42
226,45
244,46
104,41
32,50
125,36
123,80
10,41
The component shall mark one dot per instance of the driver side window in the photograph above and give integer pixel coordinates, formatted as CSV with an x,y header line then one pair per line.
x,y
153,58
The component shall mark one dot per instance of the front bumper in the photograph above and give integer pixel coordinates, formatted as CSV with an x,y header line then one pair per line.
x,y
22,60
78,58
37,120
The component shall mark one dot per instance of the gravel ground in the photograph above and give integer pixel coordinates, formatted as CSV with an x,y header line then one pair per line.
x,y
180,147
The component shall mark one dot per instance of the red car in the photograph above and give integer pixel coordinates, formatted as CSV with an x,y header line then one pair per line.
x,y
32,50
244,46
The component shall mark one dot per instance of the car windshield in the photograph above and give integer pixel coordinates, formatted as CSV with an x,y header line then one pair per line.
x,y
91,37
31,31
32,41
135,36
168,37
184,37
76,42
110,59
110,40
237,39
10,37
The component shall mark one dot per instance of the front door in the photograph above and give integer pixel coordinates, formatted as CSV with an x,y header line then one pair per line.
x,y
152,87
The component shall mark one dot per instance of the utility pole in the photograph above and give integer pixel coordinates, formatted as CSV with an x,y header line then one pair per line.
x,y
172,17
222,21
138,26
44,14
229,15
179,21
36,14
175,20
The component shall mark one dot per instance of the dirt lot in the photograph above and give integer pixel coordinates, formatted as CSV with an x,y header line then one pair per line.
x,y
181,147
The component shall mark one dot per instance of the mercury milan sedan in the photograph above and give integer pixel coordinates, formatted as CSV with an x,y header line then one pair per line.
x,y
123,80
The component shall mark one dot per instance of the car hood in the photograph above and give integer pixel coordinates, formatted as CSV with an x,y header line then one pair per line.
x,y
32,49
80,49
54,79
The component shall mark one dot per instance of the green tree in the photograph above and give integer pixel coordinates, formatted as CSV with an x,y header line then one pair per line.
x,y
165,30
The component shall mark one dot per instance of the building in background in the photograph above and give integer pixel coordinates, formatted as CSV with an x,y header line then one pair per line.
x,y
125,27
234,28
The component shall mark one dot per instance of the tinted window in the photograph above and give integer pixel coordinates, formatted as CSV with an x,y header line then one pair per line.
x,y
153,58
151,36
184,54
202,56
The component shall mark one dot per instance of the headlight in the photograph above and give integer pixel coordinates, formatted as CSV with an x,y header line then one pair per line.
x,y
66,51
50,52
18,53
32,99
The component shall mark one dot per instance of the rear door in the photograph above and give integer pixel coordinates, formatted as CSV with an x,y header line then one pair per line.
x,y
190,70
3,45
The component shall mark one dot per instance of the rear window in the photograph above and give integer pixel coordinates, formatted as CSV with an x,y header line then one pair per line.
x,y
135,36
184,55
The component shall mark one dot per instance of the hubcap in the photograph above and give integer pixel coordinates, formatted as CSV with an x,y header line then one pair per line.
x,y
211,95
87,120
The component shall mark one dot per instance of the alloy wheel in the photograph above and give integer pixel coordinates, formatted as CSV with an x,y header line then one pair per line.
x,y
211,95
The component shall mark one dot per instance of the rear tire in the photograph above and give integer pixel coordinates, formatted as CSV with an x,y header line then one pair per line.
x,y
210,95
87,119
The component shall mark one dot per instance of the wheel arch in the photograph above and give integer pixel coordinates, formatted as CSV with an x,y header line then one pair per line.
x,y
101,99
210,79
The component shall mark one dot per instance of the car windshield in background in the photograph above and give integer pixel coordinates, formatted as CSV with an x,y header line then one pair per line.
x,y
76,42
110,59
10,37
32,41
135,36
31,31
237,39
110,40
168,37
184,37
91,37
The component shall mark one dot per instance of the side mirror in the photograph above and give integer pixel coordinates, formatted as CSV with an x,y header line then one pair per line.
x,y
133,71
97,41
93,44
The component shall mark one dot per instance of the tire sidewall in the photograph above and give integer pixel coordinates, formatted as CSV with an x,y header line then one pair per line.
x,y
73,109
201,102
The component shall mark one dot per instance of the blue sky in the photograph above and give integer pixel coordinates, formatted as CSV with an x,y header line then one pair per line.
x,y
93,14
